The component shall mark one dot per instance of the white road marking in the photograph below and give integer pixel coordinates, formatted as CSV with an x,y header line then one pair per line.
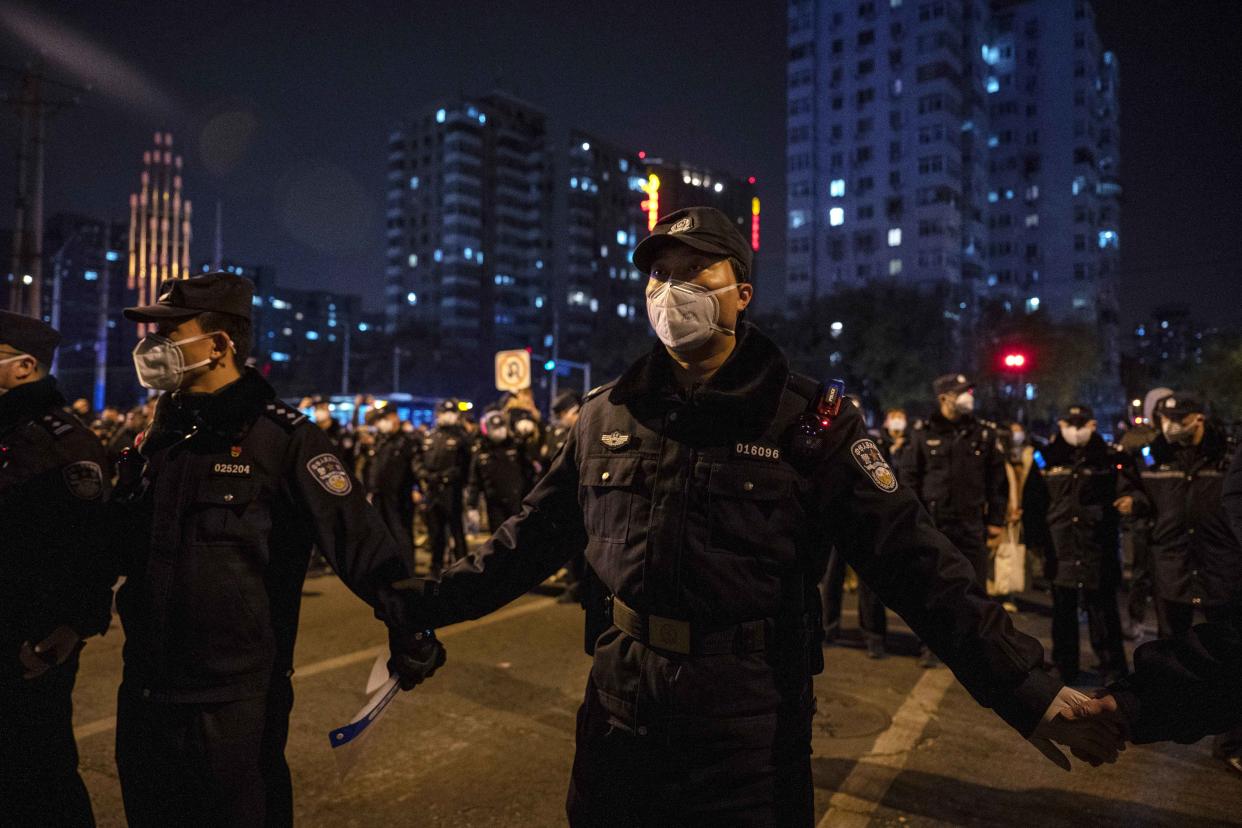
x,y
863,790
105,725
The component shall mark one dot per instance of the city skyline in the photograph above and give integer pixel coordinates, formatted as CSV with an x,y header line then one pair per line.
x,y
301,192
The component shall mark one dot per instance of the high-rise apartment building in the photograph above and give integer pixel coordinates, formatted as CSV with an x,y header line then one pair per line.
x,y
468,225
959,141
603,188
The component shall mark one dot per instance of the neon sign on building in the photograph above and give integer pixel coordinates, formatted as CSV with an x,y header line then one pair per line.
x,y
754,223
652,203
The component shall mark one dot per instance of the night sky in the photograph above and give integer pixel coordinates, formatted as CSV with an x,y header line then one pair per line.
x,y
283,112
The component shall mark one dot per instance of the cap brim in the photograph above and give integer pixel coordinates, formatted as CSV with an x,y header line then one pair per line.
x,y
158,313
650,247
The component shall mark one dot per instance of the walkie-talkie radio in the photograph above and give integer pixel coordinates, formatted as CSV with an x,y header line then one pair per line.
x,y
818,418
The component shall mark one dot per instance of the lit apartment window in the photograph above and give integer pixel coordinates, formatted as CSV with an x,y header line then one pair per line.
x,y
894,267
836,188
836,216
894,237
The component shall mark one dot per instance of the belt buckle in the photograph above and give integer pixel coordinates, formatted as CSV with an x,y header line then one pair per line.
x,y
668,634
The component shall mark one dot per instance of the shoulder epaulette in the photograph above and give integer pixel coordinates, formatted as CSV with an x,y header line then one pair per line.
x,y
597,390
285,416
55,424
802,385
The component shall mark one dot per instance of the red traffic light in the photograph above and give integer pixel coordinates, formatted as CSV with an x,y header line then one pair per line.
x,y
1015,360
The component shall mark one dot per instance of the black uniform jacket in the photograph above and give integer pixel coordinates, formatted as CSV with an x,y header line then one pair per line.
x,y
52,488
444,463
957,469
390,469
213,520
1183,689
704,506
502,472
1196,556
1082,485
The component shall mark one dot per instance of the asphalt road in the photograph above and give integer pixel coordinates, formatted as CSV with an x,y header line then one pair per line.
x,y
489,741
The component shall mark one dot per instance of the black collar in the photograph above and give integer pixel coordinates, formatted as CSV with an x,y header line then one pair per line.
x,y
27,401
738,402
228,412
941,423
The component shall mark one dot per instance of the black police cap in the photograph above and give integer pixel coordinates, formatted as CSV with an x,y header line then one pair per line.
x,y
565,401
208,293
703,228
1180,403
1079,415
951,384
27,335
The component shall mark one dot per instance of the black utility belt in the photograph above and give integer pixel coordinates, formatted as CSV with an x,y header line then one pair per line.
x,y
699,639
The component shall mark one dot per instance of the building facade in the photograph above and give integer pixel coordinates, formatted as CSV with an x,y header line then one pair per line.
x,y
468,226
85,289
961,141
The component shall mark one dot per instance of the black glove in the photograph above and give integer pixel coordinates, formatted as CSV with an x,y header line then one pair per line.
x,y
414,656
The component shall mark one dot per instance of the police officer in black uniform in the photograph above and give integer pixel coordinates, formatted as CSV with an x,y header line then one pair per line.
x,y
565,409
1194,546
1198,558
443,467
213,517
706,486
390,479
1081,478
955,466
54,586
500,471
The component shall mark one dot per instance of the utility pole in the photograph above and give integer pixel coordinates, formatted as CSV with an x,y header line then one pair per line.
x,y
349,324
101,322
33,108
217,256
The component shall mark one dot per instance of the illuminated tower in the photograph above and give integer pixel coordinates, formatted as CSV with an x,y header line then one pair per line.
x,y
159,222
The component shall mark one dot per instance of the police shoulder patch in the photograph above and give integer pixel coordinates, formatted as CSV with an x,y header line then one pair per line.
x,y
330,473
84,479
869,458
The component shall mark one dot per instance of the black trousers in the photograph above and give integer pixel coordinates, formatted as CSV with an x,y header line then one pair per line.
x,y
970,538
39,781
871,615
621,778
1180,618
209,764
1103,628
398,518
1142,578
443,513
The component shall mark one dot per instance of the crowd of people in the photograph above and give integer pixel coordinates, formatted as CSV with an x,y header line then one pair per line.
x,y
705,507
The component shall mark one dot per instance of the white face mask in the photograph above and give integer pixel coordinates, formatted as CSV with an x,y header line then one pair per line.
x,y
684,315
386,426
1019,437
498,434
11,359
965,403
447,418
161,364
1177,433
895,425
1077,437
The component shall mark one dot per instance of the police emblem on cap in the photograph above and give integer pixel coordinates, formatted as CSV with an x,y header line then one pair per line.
x,y
682,225
330,474
1170,403
615,440
84,479
961,377
867,454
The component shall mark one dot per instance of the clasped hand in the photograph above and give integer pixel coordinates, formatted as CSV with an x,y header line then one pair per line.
x,y
1092,728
